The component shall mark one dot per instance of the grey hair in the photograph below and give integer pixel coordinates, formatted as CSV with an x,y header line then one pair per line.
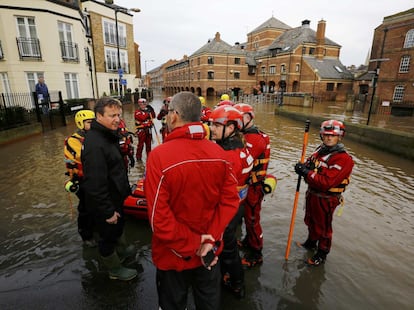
x,y
187,105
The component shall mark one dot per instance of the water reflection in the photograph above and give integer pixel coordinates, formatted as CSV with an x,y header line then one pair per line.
x,y
42,261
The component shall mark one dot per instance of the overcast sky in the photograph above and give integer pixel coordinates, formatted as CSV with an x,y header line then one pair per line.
x,y
170,29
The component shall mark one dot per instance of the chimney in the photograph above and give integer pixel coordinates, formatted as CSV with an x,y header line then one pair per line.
x,y
306,23
217,37
320,39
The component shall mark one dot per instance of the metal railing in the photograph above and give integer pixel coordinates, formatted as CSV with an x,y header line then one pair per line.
x,y
29,48
69,51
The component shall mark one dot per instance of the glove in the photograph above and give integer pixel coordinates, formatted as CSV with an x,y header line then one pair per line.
x,y
301,169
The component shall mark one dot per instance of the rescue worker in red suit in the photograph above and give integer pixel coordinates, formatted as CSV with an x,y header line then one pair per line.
x,y
72,151
162,117
187,214
143,124
125,142
226,123
258,144
205,110
327,172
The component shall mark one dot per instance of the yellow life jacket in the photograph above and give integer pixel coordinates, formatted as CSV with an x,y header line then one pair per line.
x,y
72,151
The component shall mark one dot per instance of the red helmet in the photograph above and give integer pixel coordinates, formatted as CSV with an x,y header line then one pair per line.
x,y
332,127
245,108
225,103
225,114
143,100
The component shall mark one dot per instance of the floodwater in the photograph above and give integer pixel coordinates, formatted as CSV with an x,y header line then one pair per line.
x,y
43,265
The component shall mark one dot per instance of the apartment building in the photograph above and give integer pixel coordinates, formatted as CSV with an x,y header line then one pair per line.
x,y
116,56
74,44
275,57
48,38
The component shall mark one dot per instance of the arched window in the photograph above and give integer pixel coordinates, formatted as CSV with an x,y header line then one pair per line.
x,y
409,39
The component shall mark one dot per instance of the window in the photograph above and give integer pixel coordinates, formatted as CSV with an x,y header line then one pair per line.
x,y
311,50
28,42
210,75
409,39
272,69
68,48
1,51
111,57
405,64
113,86
198,75
297,67
398,93
71,82
330,86
338,69
236,75
198,61
237,61
339,86
282,69
5,88
110,33
32,78
210,60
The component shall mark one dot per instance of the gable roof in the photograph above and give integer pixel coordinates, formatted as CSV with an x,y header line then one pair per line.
x,y
215,45
292,38
271,23
328,68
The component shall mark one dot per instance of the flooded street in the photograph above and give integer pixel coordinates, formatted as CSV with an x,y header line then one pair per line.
x,y
43,264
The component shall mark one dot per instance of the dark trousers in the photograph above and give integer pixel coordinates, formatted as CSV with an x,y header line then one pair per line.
x,y
230,258
109,235
172,287
85,218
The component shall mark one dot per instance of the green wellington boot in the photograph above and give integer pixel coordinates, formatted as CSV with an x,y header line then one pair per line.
x,y
116,271
124,250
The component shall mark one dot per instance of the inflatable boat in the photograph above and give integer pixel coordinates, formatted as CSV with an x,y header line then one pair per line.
x,y
136,204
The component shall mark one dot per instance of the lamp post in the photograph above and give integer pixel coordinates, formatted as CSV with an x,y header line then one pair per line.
x,y
374,83
148,60
315,71
120,70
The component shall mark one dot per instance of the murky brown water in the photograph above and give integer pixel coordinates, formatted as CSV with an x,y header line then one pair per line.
x,y
43,266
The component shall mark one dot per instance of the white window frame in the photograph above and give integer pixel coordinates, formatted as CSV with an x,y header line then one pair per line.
x,y
405,64
26,28
72,85
409,39
65,35
398,95
109,33
272,70
111,60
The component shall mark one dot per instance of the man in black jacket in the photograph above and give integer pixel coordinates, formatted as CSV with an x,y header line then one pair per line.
x,y
106,186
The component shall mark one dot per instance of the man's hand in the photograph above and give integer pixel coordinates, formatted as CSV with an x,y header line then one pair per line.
x,y
114,218
206,250
301,169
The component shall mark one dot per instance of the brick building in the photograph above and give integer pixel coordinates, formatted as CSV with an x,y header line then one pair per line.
x,y
275,58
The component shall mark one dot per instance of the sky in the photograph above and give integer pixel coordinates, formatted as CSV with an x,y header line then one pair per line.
x,y
170,29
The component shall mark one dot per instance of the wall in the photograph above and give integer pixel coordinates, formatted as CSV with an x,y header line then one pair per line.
x,y
395,142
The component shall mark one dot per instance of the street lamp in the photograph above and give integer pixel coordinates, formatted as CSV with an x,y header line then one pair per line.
x,y
374,83
120,70
148,60
314,80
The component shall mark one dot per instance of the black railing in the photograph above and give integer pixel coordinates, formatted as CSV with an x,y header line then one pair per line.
x,y
16,109
69,51
29,48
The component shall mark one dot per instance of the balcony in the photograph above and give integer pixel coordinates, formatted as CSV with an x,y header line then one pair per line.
x,y
29,48
69,51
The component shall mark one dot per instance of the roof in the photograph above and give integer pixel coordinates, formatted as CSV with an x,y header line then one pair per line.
x,y
271,23
215,45
328,68
295,37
